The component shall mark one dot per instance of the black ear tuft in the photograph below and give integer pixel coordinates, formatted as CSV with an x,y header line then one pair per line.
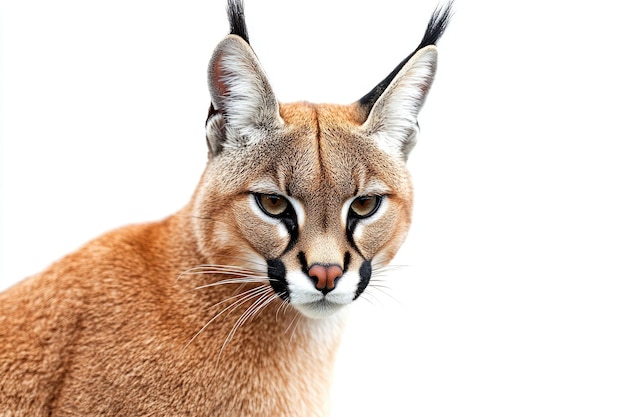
x,y
436,26
237,20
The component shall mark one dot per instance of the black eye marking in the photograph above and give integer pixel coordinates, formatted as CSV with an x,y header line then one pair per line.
x,y
278,207
350,226
361,208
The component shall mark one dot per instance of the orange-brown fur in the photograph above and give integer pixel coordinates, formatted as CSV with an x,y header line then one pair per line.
x,y
183,316
104,332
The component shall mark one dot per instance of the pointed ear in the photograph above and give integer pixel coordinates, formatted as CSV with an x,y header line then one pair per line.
x,y
242,100
394,104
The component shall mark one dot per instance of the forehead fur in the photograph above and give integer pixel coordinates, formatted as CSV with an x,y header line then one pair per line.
x,y
318,148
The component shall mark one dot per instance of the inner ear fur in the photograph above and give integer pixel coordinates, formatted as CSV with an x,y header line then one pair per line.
x,y
392,117
397,131
242,98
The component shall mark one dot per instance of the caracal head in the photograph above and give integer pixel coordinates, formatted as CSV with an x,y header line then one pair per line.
x,y
316,198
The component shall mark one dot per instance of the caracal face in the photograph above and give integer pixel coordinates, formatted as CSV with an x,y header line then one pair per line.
x,y
313,198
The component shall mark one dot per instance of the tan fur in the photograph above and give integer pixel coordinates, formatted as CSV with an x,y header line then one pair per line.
x,y
104,330
179,317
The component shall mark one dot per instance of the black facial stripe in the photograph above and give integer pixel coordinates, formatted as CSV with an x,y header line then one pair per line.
x,y
277,273
346,261
303,263
287,218
365,273
350,226
291,224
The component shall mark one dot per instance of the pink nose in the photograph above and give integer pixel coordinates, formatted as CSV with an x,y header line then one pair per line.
x,y
325,275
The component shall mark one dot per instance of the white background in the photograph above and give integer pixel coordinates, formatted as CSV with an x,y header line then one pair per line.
x,y
513,300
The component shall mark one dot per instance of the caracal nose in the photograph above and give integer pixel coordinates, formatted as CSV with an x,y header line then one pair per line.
x,y
324,276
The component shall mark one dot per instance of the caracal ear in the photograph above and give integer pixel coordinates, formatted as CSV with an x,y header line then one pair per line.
x,y
392,106
392,119
243,103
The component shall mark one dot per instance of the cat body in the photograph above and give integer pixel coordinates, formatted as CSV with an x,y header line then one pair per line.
x,y
235,305
103,332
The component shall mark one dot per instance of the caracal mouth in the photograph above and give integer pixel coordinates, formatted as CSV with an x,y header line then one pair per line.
x,y
319,309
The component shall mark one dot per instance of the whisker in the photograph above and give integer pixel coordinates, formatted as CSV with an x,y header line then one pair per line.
x,y
264,299
218,266
250,312
244,297
297,319
379,283
367,297
283,306
271,297
220,269
221,272
258,291
263,295
250,261
376,267
291,323
238,295
250,280
383,289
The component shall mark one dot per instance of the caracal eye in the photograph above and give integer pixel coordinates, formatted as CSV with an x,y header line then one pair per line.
x,y
271,204
366,205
